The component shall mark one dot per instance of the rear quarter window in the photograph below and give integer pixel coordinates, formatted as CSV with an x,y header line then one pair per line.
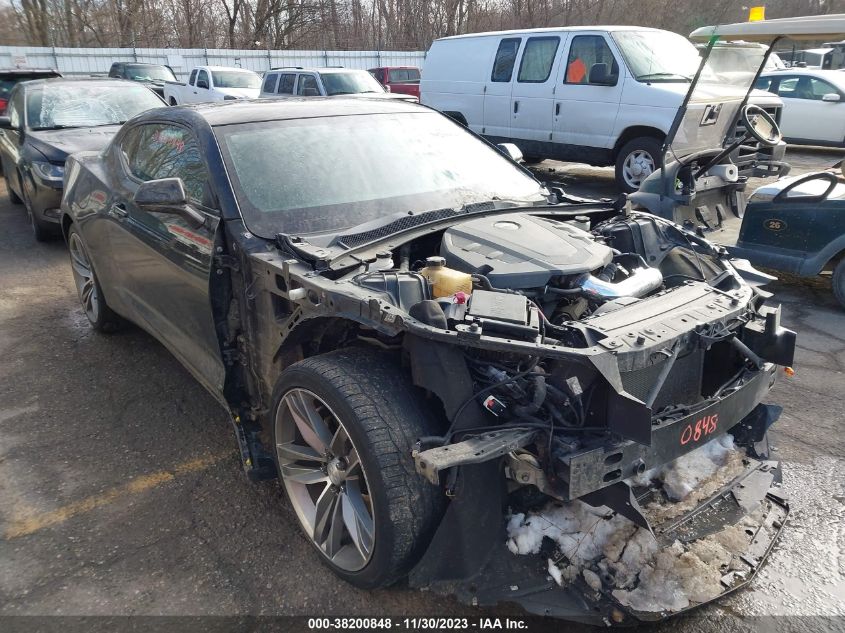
x,y
505,59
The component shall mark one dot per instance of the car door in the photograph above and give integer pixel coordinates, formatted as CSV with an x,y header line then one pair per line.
x,y
202,90
268,87
10,140
286,83
807,116
307,86
497,91
588,93
532,99
166,262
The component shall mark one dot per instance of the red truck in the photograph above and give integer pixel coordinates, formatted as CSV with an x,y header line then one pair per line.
x,y
399,79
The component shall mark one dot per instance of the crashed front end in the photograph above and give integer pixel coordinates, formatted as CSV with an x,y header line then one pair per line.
x,y
611,464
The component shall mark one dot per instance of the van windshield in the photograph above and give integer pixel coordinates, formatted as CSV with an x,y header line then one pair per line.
x,y
658,56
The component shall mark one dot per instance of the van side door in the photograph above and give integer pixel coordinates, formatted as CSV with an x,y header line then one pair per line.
x,y
497,91
532,99
588,93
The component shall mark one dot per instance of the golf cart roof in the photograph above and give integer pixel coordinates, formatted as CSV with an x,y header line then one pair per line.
x,y
815,27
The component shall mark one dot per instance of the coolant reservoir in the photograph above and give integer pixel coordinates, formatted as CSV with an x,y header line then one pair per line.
x,y
445,281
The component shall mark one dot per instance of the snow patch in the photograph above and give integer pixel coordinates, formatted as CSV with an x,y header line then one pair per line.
x,y
611,552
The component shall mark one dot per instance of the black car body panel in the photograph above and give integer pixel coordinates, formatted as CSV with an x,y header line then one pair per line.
x,y
644,378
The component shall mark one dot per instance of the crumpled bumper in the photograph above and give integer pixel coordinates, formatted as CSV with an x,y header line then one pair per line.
x,y
751,501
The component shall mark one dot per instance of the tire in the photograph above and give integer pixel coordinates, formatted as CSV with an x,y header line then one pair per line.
x,y
356,402
173,101
637,159
13,197
532,160
88,289
839,282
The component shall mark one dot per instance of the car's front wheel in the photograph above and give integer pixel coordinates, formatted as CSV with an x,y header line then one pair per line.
x,y
99,314
344,427
636,161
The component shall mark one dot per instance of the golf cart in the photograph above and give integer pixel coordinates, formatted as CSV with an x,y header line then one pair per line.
x,y
789,225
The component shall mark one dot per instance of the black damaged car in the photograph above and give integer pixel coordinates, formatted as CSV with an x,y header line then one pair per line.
x,y
459,377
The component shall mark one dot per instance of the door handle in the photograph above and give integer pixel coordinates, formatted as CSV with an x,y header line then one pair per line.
x,y
118,210
515,107
557,109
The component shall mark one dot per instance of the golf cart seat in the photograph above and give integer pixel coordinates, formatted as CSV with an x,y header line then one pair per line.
x,y
796,224
819,186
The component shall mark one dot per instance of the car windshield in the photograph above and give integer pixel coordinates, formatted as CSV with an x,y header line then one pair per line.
x,y
149,73
658,56
325,174
403,75
77,104
349,83
235,79
715,101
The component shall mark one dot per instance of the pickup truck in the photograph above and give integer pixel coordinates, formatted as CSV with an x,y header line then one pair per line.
x,y
153,76
213,83
399,79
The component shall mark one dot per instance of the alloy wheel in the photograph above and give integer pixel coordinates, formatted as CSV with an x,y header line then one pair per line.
x,y
83,276
638,166
324,479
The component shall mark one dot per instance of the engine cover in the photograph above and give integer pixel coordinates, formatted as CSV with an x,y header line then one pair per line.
x,y
522,251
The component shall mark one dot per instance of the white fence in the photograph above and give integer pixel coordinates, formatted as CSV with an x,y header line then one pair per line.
x,y
97,61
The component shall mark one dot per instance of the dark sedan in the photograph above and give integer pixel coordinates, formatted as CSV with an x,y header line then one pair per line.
x,y
432,354
48,120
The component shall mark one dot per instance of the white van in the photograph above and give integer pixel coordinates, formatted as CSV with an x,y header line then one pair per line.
x,y
599,95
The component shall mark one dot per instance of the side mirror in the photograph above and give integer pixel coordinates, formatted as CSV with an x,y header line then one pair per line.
x,y
600,76
202,83
5,123
832,97
167,195
511,151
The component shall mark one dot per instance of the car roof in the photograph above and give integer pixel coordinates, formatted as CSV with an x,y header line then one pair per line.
x,y
821,73
233,68
94,81
26,71
256,110
552,30
321,69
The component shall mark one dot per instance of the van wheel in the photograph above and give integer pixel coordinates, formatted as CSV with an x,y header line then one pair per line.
x,y
839,282
637,159
172,101
344,426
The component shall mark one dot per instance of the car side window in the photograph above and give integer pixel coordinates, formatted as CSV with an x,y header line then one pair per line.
x,y
819,88
788,88
286,84
764,83
203,76
307,86
537,59
586,53
505,59
270,83
193,78
158,150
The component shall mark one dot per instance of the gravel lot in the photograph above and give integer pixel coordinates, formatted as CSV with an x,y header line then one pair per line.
x,y
121,493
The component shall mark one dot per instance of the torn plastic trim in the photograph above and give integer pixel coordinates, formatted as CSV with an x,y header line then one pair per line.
x,y
524,580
